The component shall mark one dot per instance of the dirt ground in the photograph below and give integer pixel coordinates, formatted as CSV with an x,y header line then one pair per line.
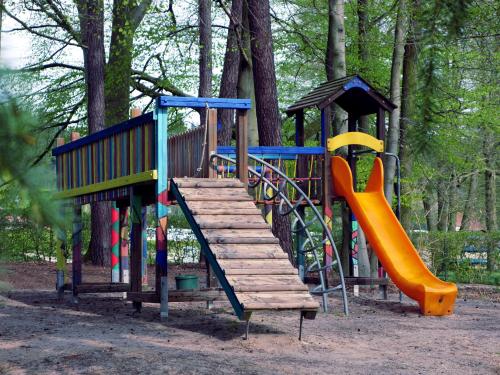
x,y
102,335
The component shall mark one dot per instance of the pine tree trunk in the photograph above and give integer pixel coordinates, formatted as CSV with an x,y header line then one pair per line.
x,y
408,109
266,98
100,241
490,201
336,68
392,139
246,88
1,18
363,52
335,57
229,80
205,58
443,206
126,19
429,208
470,202
453,203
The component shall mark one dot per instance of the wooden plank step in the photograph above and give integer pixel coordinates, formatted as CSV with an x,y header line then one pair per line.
x,y
244,233
257,271
226,211
218,191
231,218
217,198
236,225
208,183
251,251
255,263
277,300
270,288
231,222
265,279
194,205
241,240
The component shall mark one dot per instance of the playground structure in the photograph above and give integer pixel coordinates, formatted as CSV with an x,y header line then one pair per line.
x,y
135,164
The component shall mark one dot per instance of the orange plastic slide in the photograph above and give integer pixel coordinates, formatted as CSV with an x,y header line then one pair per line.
x,y
390,242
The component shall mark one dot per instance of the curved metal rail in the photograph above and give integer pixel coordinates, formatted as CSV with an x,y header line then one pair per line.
x,y
299,225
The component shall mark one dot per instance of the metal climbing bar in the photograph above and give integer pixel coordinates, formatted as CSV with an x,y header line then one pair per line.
x,y
280,192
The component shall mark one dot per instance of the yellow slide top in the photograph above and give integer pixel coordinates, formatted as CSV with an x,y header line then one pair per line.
x,y
390,241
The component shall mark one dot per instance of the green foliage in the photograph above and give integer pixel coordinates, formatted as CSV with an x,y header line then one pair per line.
x,y
467,257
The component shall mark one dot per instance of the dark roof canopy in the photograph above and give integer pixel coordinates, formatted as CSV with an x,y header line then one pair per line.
x,y
352,93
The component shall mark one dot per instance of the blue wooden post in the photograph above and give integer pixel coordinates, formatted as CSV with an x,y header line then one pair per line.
x,y
162,207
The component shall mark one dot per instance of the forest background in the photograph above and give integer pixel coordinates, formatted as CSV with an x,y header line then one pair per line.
x,y
86,63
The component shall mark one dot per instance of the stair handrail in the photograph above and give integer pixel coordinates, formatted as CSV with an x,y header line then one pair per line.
x,y
292,208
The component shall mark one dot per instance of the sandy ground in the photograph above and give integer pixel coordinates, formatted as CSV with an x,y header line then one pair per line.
x,y
102,335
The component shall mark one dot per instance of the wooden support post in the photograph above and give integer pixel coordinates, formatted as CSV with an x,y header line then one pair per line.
x,y
301,172
124,260
352,125
326,184
161,285
211,173
136,245
381,135
115,244
76,263
60,246
211,141
144,235
242,146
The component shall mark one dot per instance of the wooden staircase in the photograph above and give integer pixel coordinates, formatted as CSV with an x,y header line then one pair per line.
x,y
246,257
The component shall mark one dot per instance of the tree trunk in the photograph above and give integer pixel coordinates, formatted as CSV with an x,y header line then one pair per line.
x,y
100,241
246,88
229,80
429,208
335,66
470,202
335,57
392,140
363,52
490,194
443,206
453,203
1,18
408,114
126,19
205,58
266,99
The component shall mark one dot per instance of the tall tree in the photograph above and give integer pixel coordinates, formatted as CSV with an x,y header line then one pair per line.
x,y
408,110
246,87
335,56
229,80
490,144
392,142
335,64
266,98
127,15
470,202
205,45
92,17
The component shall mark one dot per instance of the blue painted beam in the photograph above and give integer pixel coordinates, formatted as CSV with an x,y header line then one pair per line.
x,y
115,129
190,102
274,150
